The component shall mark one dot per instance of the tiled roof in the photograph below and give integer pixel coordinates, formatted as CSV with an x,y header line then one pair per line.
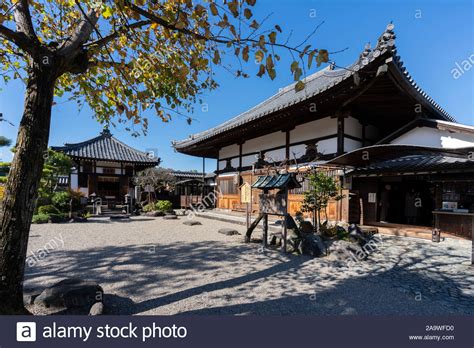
x,y
416,163
192,175
314,85
280,181
107,148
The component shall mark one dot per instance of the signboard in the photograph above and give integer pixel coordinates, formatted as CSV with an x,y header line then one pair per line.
x,y
245,193
273,203
372,197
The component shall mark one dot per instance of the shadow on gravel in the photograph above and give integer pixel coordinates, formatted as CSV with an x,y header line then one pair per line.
x,y
138,271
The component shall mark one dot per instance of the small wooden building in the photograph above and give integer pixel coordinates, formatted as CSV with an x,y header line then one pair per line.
x,y
105,166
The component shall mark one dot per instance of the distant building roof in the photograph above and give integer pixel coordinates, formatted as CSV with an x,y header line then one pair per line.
x,y
105,147
191,175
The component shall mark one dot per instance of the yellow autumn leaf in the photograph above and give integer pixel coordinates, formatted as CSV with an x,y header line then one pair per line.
x,y
107,12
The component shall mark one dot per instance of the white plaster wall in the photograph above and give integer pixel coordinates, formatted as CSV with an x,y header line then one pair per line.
x,y
74,182
433,137
229,151
234,162
327,146
99,170
264,142
350,144
275,155
297,151
248,160
313,129
353,127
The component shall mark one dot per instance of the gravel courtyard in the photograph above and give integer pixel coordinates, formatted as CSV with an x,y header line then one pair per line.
x,y
161,267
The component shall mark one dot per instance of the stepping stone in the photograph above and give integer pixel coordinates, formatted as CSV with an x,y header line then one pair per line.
x,y
119,217
170,217
70,293
154,213
97,309
191,223
228,231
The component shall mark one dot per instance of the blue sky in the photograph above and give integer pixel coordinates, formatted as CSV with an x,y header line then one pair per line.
x,y
430,46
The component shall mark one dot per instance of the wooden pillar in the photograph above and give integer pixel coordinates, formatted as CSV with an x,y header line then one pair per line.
x,y
340,134
240,157
265,230
287,145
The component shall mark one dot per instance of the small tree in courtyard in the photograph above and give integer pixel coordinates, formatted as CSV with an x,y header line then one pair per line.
x,y
322,189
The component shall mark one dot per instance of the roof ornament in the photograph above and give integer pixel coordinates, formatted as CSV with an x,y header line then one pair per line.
x,y
106,132
364,56
387,39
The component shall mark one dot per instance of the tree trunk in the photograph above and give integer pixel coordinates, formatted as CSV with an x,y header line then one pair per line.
x,y
21,192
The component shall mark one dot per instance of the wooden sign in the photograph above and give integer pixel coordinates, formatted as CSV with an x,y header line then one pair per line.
x,y
273,204
245,193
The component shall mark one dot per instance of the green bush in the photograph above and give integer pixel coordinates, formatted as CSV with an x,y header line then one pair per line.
x,y
164,206
149,207
47,210
61,200
43,218
40,219
57,217
3,179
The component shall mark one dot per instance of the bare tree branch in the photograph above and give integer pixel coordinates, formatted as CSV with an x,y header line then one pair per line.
x,y
18,38
83,32
218,39
106,39
23,22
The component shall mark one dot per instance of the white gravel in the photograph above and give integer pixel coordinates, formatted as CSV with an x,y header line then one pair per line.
x,y
156,266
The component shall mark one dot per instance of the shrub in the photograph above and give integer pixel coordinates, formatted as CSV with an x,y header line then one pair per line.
x,y
164,206
61,200
57,217
40,219
3,179
149,207
47,210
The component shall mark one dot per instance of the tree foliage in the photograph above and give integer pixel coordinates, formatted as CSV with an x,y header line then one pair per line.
x,y
55,164
322,189
4,141
125,57
161,179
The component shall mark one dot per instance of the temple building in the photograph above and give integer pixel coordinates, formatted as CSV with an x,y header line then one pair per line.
x,y
368,124
105,166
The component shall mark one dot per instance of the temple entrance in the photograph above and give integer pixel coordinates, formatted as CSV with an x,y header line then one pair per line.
x,y
406,201
108,187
